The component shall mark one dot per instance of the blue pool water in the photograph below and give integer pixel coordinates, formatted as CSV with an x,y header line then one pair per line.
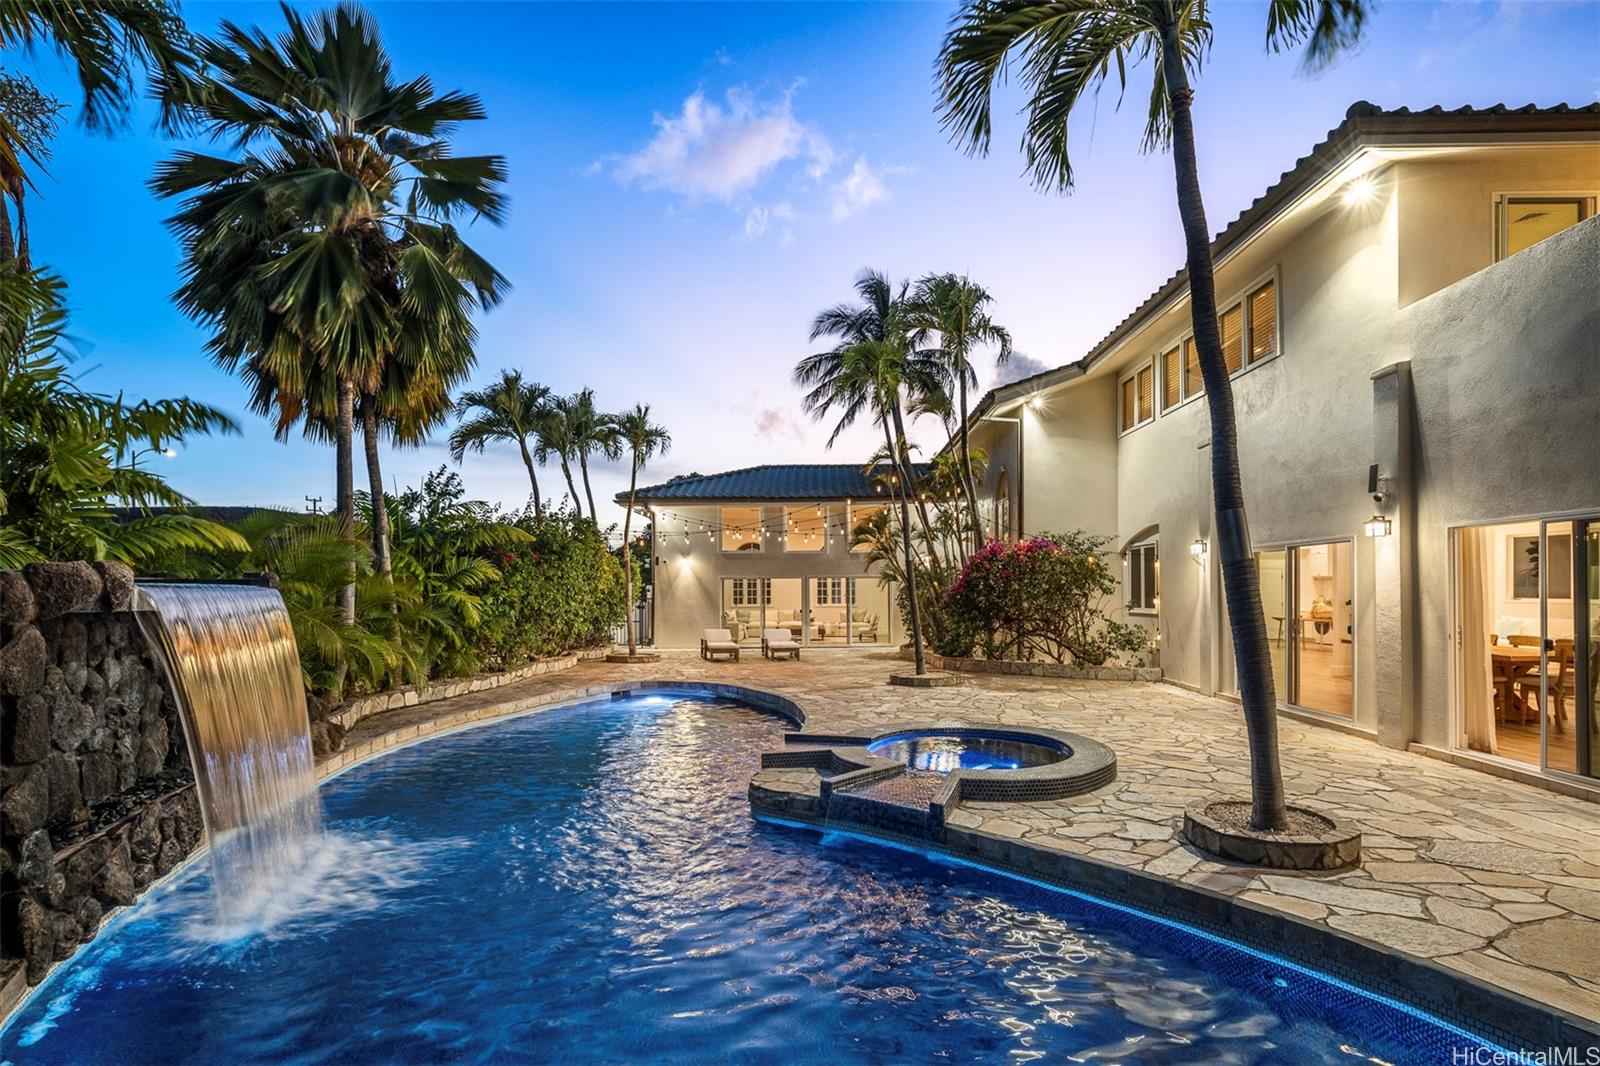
x,y
587,885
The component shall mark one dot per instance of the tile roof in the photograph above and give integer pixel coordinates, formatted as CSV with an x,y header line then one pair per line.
x,y
778,481
1361,119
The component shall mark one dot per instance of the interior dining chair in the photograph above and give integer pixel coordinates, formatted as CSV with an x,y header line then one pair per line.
x,y
1563,663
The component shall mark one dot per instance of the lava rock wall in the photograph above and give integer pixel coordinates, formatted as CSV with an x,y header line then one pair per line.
x,y
96,791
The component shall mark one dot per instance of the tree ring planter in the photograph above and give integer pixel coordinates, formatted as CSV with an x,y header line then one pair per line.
x,y
636,657
1313,842
924,680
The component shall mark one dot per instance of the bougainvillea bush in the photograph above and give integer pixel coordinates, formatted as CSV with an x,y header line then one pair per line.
x,y
1045,597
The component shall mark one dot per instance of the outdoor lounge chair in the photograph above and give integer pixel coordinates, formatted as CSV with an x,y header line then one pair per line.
x,y
714,642
776,642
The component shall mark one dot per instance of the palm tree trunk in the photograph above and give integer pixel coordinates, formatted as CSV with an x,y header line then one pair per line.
x,y
583,468
345,486
968,485
911,562
380,511
1241,584
533,478
908,477
572,489
627,549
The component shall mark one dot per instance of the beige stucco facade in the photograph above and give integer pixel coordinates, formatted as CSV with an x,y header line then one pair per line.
x,y
1473,384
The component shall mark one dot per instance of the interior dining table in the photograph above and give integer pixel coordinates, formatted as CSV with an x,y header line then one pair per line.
x,y
1512,663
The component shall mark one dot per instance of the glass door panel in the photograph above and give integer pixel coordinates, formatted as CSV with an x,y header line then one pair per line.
x,y
1321,592
1564,686
1271,571
873,617
743,607
830,610
785,610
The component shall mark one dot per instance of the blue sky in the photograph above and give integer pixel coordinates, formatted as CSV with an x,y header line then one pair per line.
x,y
690,183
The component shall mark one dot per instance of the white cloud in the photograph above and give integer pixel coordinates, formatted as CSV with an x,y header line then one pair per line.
x,y
1016,368
859,189
720,151
773,422
758,219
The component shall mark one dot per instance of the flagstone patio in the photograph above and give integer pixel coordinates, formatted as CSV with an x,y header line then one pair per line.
x,y
1493,878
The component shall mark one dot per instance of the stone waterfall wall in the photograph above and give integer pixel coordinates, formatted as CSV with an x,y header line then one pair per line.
x,y
96,791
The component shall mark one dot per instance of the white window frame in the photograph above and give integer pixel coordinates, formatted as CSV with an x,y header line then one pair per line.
x,y
747,590
1155,395
826,587
1502,200
1132,564
827,516
850,523
759,537
1238,299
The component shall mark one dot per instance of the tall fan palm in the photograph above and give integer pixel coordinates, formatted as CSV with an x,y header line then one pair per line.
x,y
510,410
329,247
108,43
866,373
644,441
956,309
593,433
1061,51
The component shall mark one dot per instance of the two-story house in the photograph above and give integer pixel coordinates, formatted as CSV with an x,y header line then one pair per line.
x,y
1411,316
769,547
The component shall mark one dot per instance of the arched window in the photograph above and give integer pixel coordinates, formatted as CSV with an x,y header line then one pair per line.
x,y
1002,507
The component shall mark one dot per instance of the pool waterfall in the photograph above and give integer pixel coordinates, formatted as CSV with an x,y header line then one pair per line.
x,y
229,654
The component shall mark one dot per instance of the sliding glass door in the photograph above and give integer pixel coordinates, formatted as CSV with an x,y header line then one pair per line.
x,y
1567,574
1308,599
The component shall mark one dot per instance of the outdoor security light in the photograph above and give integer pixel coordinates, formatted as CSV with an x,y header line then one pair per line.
x,y
1358,192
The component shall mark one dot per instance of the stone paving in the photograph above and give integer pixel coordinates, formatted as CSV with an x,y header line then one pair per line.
x,y
1490,877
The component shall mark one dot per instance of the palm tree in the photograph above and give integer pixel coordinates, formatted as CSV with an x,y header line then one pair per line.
x,y
591,432
957,310
644,440
108,43
1063,49
866,372
509,410
556,438
328,248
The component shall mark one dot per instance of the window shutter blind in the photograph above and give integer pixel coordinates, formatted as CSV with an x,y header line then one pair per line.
x,y
1147,389
1232,323
1263,322
1169,379
1127,404
1192,383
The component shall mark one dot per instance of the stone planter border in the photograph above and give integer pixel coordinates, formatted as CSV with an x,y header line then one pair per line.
x,y
1039,669
1332,849
939,680
445,688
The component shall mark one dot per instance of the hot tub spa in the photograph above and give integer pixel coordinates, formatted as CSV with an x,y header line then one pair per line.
x,y
944,751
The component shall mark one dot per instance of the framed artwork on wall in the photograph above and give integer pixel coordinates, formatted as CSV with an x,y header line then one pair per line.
x,y
1525,565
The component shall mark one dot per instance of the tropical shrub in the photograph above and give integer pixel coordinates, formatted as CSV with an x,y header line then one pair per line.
x,y
1043,597
70,455
563,590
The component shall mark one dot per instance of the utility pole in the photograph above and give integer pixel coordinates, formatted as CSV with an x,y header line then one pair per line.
x,y
314,502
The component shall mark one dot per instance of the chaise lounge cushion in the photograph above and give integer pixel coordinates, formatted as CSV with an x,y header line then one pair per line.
x,y
779,640
718,640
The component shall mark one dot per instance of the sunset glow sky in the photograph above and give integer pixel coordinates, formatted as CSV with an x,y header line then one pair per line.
x,y
690,184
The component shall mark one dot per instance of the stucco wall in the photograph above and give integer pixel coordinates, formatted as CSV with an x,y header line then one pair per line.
x,y
1506,372
1447,226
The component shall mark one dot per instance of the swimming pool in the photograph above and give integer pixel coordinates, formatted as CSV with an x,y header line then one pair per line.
x,y
587,885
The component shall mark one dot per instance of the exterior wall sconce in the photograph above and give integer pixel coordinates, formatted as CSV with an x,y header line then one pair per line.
x,y
1377,526
1198,549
